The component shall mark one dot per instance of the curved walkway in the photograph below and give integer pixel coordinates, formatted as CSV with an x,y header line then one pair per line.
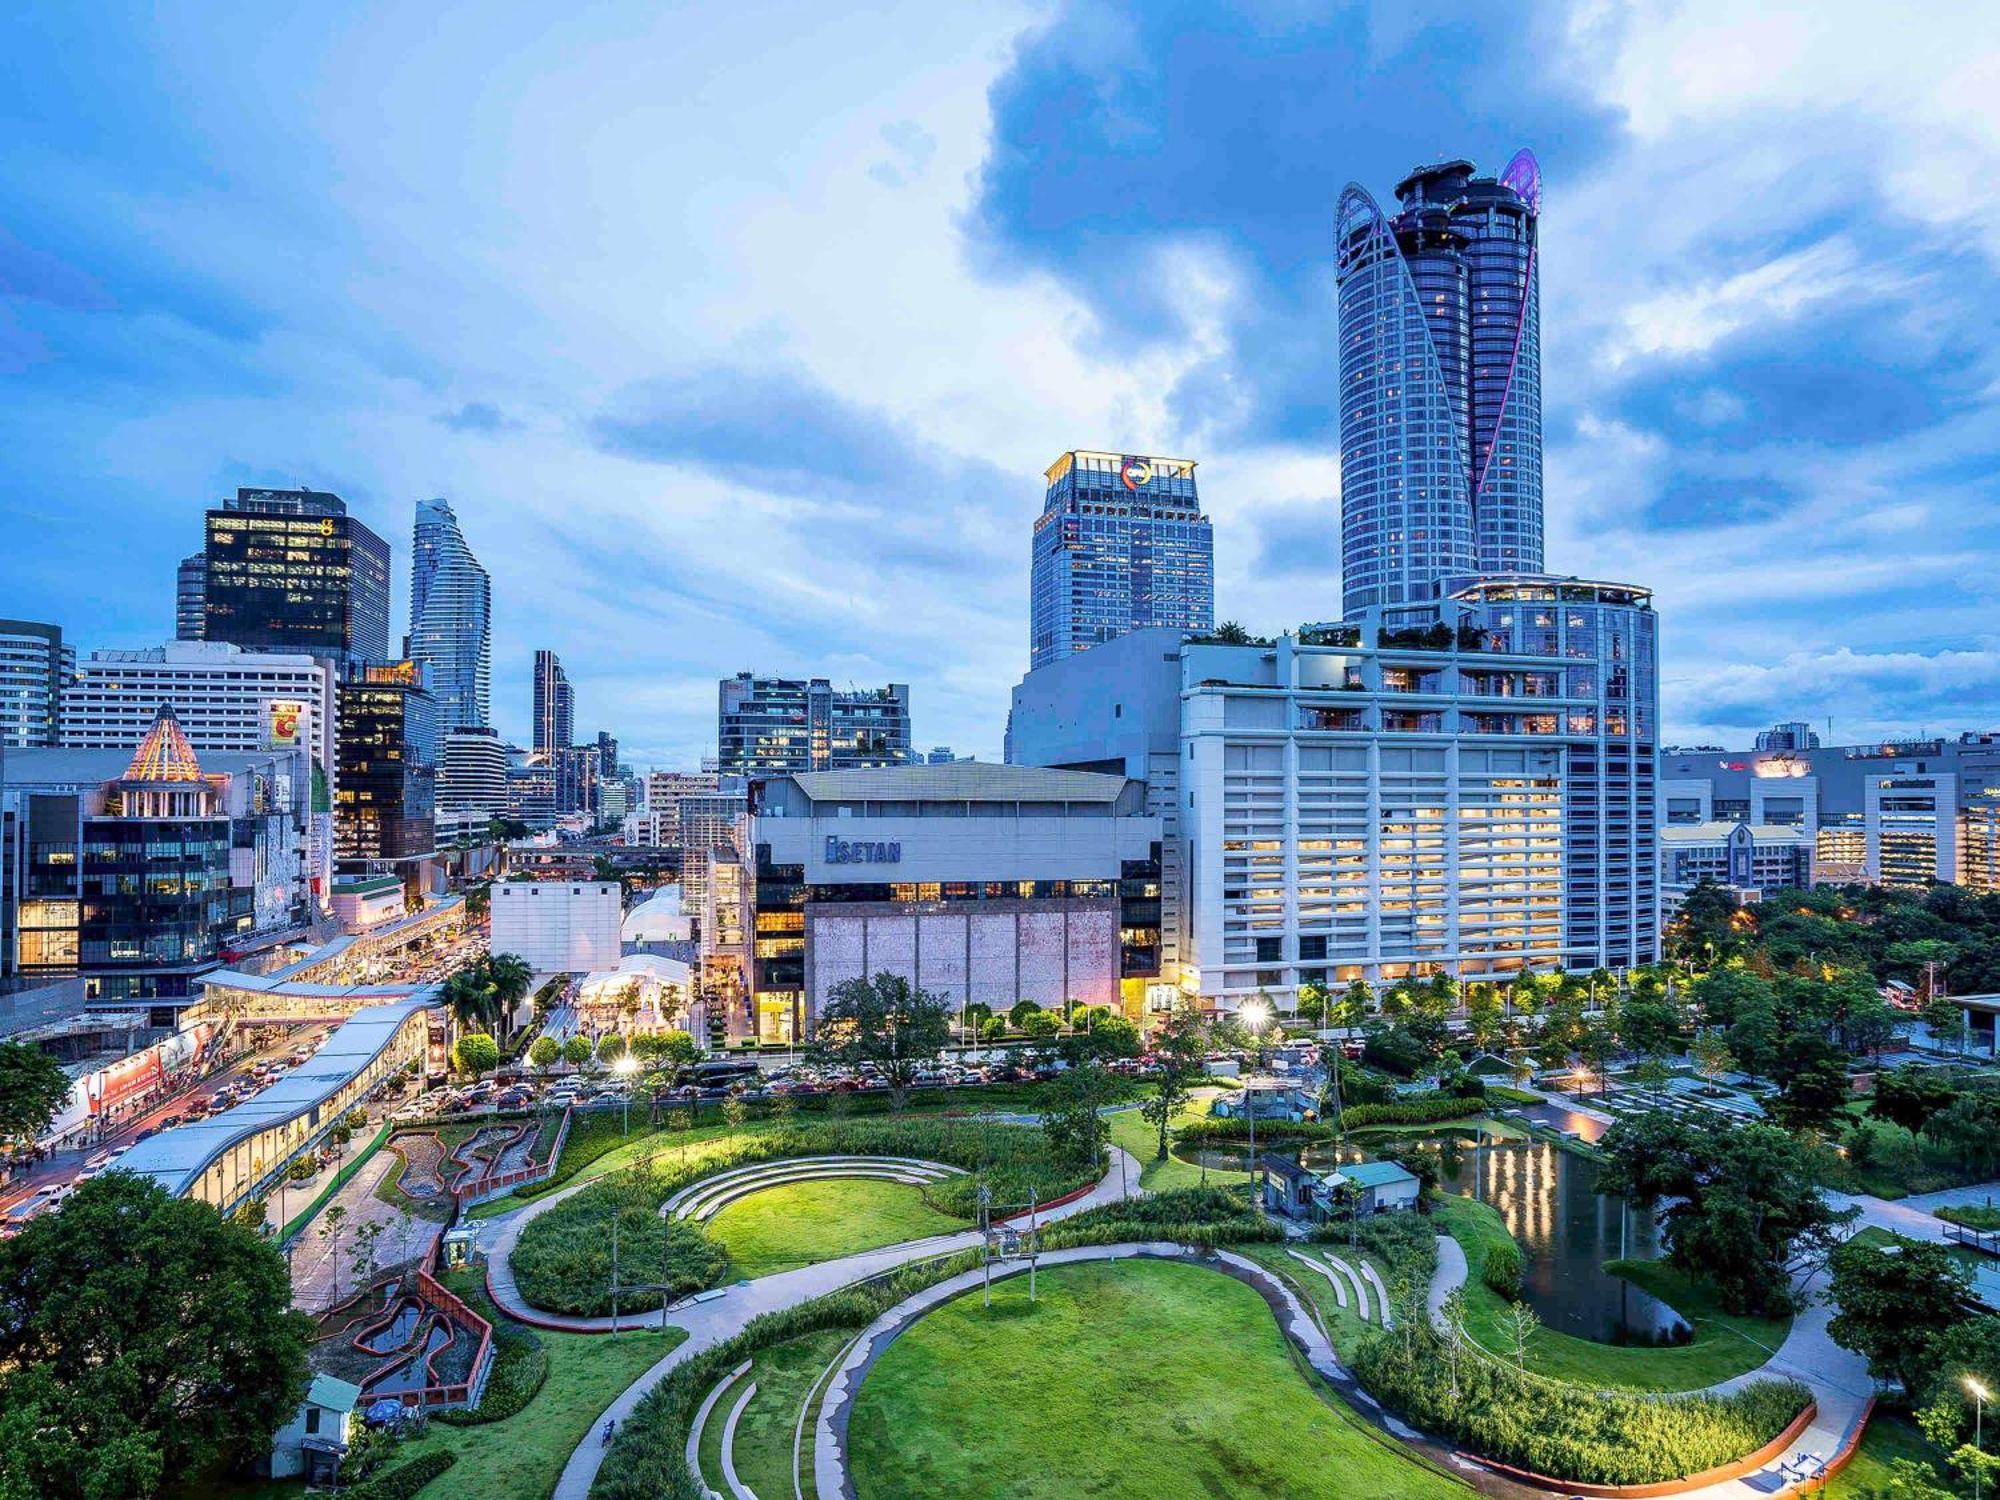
x,y
1838,1378
723,1315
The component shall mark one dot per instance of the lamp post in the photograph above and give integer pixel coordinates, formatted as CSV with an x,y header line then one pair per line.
x,y
625,1067
1979,1398
1255,1015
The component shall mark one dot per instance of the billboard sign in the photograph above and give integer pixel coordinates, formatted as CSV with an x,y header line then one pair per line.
x,y
284,721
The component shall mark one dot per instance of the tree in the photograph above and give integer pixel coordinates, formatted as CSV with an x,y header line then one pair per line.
x,y
1743,1209
1893,1301
102,1396
610,1049
33,1086
1519,1324
1108,1037
476,1053
1812,1082
1908,1096
1723,995
577,1051
1018,1015
1712,1057
885,1021
471,999
1075,1129
544,1052
1040,1025
330,1224
1181,1046
1969,1129
510,977
1229,633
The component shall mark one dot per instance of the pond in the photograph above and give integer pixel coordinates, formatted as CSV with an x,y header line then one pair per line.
x,y
1566,1229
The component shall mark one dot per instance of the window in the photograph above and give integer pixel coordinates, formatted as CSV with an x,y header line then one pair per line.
x,y
1270,950
1312,948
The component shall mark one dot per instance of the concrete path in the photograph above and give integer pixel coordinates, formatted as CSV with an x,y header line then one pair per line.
x,y
1447,1278
1354,1281
323,1270
722,1317
1338,1283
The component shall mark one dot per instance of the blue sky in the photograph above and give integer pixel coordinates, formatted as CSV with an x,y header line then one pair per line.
x,y
740,336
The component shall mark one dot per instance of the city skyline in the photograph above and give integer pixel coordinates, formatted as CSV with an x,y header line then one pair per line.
x,y
1768,409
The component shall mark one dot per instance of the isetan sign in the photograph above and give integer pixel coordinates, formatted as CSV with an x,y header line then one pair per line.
x,y
863,852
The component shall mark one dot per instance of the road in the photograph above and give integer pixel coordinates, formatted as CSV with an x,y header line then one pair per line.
x,y
65,1165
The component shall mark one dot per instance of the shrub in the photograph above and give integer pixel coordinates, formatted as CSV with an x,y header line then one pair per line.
x,y
1423,1109
403,1481
1212,1130
1502,1271
1565,1431
1188,1216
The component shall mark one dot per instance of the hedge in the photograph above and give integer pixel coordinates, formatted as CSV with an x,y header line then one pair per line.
x,y
1203,1132
562,1262
1203,1216
1564,1431
1424,1109
520,1365
403,1481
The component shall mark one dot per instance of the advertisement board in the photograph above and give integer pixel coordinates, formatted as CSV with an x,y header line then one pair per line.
x,y
284,723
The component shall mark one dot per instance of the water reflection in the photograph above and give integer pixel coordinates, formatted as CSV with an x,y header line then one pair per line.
x,y
1566,1229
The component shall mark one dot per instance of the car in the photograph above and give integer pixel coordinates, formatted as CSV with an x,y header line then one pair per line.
x,y
302,1055
221,1099
146,1135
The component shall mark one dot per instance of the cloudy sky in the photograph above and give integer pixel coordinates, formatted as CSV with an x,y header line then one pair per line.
x,y
740,334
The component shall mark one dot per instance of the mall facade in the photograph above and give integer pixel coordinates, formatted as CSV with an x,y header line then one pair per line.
x,y
984,884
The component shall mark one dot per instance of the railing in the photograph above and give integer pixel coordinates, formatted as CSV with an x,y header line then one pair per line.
x,y
495,1184
1984,1241
433,1294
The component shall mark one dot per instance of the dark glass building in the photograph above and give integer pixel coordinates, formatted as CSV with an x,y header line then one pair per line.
x,y
290,570
1440,382
555,704
384,802
1121,544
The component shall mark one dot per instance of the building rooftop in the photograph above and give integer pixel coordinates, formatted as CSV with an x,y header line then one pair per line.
x,y
1375,1174
176,1158
333,1394
95,767
1719,830
961,781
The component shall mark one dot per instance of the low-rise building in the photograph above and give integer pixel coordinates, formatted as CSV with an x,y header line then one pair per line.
x,y
316,1440
1747,859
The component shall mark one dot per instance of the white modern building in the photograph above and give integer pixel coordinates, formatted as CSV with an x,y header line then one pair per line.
x,y
1385,799
558,926
1912,827
471,781
36,667
984,884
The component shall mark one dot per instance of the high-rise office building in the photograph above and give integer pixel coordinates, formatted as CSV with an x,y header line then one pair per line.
x,y
471,780
451,618
1440,382
191,597
35,672
769,724
291,570
385,803
555,704
1121,545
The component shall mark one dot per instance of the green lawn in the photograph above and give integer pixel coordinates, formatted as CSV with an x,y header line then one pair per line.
x,y
784,1373
801,1223
1130,1130
1888,1438
1137,1379
1725,1344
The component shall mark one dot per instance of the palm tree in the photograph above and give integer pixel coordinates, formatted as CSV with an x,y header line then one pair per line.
x,y
509,976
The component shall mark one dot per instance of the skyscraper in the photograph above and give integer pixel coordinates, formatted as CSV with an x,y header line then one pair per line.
x,y
35,670
385,801
291,570
190,597
555,704
1440,382
451,618
1121,544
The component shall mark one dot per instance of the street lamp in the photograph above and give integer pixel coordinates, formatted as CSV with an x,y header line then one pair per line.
x,y
1980,1396
1255,1015
625,1067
